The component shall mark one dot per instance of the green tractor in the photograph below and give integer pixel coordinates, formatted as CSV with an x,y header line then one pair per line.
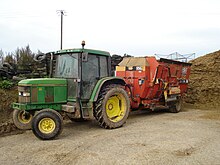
x,y
81,87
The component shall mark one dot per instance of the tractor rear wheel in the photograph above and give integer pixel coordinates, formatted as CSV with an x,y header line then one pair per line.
x,y
112,107
176,106
22,119
47,124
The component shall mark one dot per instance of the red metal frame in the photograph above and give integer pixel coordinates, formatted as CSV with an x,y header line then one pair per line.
x,y
146,84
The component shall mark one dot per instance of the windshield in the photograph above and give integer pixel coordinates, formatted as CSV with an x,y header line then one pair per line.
x,y
67,66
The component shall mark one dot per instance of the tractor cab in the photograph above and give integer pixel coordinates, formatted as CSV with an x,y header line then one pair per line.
x,y
82,68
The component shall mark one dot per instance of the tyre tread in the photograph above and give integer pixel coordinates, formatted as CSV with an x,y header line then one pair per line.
x,y
98,112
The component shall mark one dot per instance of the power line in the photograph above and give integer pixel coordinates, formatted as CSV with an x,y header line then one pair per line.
x,y
61,13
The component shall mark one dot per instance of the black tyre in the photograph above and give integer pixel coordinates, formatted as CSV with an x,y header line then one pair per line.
x,y
22,119
39,57
47,124
112,107
176,107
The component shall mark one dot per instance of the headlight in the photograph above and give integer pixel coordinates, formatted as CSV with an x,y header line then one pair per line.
x,y
25,94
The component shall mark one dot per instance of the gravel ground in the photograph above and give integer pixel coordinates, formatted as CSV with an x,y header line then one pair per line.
x,y
189,137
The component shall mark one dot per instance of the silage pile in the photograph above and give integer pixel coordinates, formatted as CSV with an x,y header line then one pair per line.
x,y
204,86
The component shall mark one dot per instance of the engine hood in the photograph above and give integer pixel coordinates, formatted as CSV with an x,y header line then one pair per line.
x,y
43,82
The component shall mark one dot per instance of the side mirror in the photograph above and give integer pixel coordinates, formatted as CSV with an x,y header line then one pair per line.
x,y
84,56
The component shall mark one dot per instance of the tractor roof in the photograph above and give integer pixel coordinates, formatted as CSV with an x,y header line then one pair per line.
x,y
79,50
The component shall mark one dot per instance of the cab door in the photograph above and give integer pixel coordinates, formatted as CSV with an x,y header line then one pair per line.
x,y
93,68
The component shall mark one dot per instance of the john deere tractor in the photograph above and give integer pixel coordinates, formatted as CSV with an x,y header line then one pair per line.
x,y
81,87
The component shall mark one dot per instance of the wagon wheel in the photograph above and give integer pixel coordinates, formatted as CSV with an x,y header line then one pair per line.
x,y
176,107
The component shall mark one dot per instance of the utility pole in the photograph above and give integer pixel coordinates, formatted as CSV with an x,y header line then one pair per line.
x,y
61,13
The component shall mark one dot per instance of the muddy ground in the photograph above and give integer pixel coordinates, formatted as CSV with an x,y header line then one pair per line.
x,y
7,97
188,137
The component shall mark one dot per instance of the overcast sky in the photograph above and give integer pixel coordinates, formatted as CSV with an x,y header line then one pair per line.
x,y
136,27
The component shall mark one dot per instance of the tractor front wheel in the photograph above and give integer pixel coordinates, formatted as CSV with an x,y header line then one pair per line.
x,y
47,124
22,119
112,107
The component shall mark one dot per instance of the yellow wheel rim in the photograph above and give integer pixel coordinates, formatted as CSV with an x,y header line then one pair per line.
x,y
46,125
116,107
24,117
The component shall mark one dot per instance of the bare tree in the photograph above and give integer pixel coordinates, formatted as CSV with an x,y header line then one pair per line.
x,y
24,57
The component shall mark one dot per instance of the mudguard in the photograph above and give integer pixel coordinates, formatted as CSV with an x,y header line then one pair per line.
x,y
102,82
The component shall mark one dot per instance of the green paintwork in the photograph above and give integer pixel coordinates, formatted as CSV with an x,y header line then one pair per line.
x,y
79,50
44,93
99,85
43,81
28,107
60,94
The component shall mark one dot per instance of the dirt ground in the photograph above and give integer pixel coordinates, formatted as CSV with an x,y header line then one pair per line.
x,y
189,137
